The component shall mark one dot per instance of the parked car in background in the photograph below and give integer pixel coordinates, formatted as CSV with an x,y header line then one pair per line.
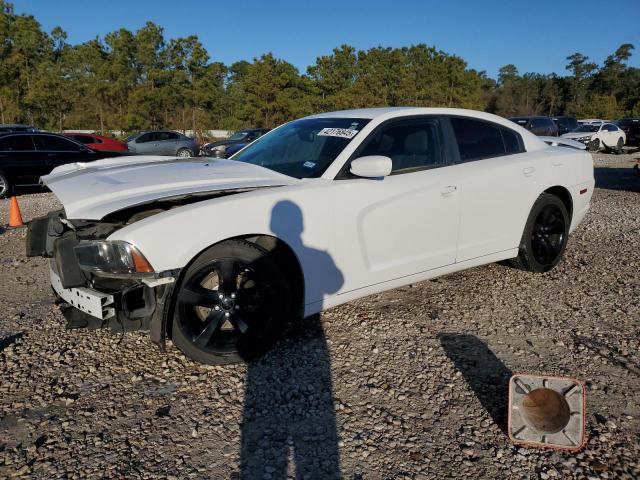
x,y
318,212
15,127
98,142
26,156
541,126
163,142
599,136
565,124
631,128
237,141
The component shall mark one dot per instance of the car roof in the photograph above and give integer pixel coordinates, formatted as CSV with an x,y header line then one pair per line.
x,y
391,112
385,113
37,134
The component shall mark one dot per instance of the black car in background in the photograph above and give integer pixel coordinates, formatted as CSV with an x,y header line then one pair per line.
x,y
26,156
226,148
565,124
541,126
631,127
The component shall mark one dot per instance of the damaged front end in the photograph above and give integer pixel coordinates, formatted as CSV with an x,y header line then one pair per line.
x,y
101,283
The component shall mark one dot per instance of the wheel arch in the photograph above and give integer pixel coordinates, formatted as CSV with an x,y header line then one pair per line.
x,y
564,195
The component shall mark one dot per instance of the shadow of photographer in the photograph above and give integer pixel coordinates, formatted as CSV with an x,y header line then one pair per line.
x,y
288,409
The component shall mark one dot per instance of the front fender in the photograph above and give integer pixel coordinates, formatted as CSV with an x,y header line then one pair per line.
x,y
301,216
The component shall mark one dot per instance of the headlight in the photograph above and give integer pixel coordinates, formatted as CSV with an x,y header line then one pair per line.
x,y
111,257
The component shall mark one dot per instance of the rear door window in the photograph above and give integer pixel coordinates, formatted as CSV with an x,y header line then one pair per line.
x,y
478,139
511,141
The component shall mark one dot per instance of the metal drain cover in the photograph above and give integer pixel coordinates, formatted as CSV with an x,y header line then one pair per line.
x,y
547,411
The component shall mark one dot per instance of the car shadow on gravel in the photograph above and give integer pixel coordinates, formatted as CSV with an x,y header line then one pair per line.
x,y
487,376
626,179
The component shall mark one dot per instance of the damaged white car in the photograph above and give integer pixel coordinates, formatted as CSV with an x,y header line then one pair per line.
x,y
599,136
220,254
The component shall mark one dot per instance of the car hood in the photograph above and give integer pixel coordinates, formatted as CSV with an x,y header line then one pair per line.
x,y
223,142
92,190
578,134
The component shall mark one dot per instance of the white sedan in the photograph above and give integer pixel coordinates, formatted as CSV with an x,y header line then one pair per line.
x,y
219,254
599,136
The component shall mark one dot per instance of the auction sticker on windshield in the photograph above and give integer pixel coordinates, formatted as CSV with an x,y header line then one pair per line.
x,y
338,132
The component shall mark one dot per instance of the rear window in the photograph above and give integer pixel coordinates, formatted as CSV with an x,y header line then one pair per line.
x,y
86,139
478,139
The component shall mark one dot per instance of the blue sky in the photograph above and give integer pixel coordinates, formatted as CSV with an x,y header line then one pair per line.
x,y
535,35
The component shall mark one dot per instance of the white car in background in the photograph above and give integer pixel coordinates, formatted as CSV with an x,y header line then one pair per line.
x,y
219,254
603,136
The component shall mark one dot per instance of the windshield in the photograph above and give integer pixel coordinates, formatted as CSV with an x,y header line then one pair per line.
x,y
303,148
587,128
238,135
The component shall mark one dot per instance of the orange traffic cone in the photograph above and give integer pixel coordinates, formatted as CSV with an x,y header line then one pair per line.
x,y
15,218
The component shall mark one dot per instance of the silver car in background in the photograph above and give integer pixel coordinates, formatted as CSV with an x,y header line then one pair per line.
x,y
163,142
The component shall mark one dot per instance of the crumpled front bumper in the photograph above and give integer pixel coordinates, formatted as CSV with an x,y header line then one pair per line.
x,y
89,300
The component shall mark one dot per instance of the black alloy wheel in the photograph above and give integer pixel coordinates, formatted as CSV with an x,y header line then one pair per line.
x,y
231,304
545,235
548,234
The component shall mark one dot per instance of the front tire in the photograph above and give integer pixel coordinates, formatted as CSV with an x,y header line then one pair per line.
x,y
232,304
545,235
594,145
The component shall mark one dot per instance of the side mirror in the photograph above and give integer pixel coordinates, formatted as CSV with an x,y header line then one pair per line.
x,y
371,166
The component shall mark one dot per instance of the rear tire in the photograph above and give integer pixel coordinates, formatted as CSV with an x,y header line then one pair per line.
x,y
5,186
232,304
545,235
619,146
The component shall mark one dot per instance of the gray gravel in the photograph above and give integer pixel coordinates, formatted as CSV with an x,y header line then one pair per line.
x,y
406,384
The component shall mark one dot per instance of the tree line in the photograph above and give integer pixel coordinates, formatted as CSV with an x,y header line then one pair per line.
x,y
130,81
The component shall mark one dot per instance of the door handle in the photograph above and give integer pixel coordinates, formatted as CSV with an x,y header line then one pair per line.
x,y
556,163
449,190
51,154
528,171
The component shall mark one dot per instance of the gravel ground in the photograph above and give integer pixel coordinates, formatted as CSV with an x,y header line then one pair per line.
x,y
406,384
